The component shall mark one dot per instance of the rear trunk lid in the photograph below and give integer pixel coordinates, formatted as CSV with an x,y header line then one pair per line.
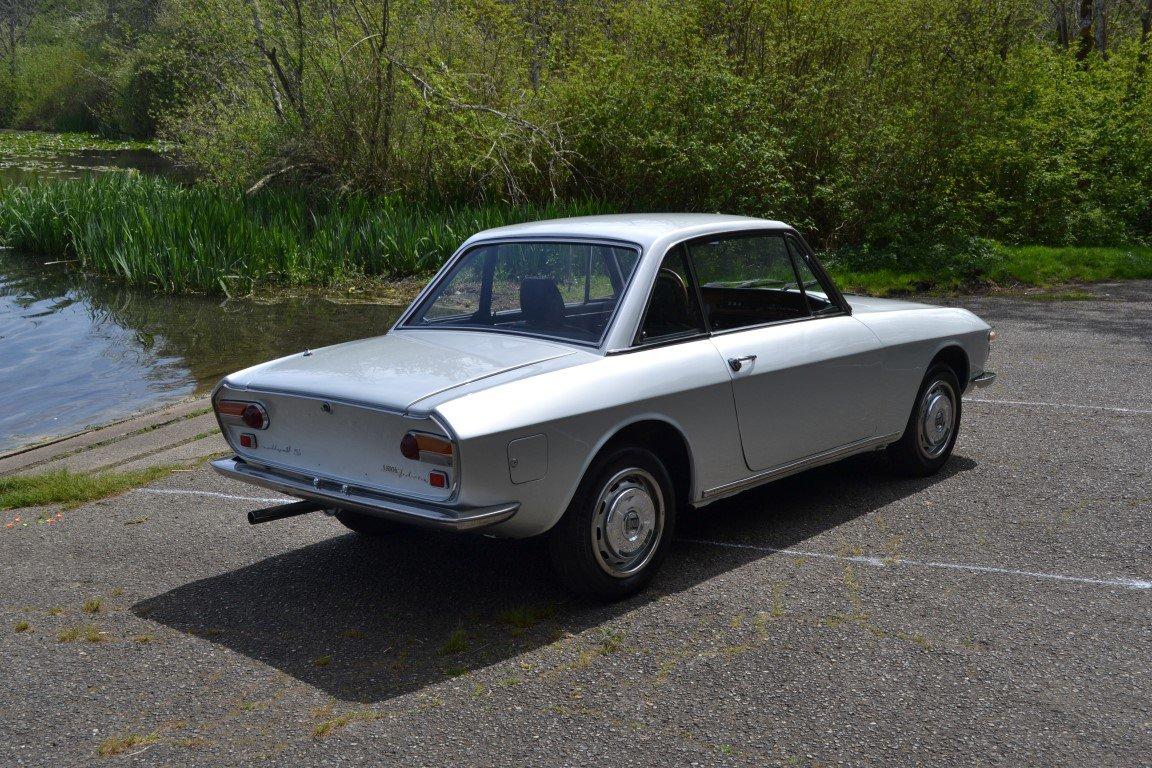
x,y
399,369
336,416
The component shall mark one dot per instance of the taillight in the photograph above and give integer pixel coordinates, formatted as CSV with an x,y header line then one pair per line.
x,y
254,416
437,479
409,447
419,446
251,415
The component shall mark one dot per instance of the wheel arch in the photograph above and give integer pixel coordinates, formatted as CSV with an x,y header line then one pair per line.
x,y
955,357
660,435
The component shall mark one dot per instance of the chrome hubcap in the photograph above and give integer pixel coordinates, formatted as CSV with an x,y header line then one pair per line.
x,y
937,419
628,523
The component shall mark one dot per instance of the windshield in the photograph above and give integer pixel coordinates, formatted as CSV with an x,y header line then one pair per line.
x,y
562,290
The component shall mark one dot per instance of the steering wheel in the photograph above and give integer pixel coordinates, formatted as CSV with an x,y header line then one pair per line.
x,y
670,274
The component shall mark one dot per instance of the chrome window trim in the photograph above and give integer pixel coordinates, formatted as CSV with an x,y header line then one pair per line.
x,y
402,323
843,308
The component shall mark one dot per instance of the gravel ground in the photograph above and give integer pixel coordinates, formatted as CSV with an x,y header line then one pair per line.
x,y
998,613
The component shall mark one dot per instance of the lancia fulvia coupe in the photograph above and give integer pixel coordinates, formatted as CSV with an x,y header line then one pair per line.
x,y
585,379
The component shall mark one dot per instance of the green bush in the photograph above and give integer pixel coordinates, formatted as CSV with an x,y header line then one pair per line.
x,y
885,126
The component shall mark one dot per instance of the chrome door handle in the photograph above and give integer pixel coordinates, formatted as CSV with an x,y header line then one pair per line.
x,y
736,363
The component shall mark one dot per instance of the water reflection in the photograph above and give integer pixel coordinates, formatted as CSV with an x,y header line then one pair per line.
x,y
24,169
76,351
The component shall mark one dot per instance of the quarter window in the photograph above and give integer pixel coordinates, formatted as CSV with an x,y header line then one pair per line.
x,y
747,280
814,290
673,309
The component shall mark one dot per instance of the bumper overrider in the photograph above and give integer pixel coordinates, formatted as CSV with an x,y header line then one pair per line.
x,y
331,494
983,379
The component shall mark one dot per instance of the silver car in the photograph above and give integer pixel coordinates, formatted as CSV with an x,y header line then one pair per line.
x,y
585,379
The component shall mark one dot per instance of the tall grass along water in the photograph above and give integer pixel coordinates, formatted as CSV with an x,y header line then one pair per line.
x,y
150,232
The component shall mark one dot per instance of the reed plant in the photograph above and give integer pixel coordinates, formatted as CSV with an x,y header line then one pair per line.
x,y
150,232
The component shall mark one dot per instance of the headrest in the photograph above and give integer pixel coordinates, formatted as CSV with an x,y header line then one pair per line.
x,y
540,301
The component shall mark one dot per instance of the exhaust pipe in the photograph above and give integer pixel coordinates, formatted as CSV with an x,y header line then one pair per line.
x,y
280,511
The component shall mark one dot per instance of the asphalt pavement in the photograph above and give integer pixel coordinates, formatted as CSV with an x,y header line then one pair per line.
x,y
999,613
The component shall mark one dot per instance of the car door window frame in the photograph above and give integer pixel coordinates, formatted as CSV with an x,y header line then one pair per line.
x,y
793,242
831,290
784,235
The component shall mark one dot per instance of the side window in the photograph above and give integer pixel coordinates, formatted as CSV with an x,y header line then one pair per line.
x,y
672,306
814,290
600,285
747,280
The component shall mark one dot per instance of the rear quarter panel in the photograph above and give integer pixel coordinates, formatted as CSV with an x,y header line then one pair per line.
x,y
579,409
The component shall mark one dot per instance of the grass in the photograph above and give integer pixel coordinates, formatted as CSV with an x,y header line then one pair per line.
x,y
71,489
93,605
525,617
22,626
993,265
116,745
457,642
147,231
90,632
152,232
43,144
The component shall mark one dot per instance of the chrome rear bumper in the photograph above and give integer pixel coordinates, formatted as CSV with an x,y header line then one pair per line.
x,y
983,379
337,496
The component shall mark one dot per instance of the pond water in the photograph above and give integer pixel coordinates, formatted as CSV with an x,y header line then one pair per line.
x,y
76,351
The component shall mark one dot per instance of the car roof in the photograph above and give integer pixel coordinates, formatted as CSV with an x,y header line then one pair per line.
x,y
644,229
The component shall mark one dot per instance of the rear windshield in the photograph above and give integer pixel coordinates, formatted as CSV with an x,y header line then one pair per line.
x,y
555,289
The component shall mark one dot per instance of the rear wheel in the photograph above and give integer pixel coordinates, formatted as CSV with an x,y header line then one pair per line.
x,y
615,533
932,427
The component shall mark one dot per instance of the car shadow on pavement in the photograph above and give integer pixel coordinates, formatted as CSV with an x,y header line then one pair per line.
x,y
365,620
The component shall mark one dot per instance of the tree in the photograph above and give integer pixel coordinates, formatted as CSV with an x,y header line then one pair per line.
x,y
15,16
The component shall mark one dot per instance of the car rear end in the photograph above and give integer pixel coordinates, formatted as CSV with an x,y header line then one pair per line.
x,y
338,454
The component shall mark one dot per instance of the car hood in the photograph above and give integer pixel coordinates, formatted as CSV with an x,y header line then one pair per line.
x,y
399,369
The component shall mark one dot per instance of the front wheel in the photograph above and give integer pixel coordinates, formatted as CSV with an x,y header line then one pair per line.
x,y
615,533
932,427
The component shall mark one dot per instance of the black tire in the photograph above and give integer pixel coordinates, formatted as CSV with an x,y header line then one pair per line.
x,y
370,525
932,428
625,492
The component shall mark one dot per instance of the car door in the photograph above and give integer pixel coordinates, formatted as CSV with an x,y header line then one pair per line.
x,y
805,374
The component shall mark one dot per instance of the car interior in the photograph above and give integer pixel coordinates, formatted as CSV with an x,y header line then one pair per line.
x,y
735,307
542,310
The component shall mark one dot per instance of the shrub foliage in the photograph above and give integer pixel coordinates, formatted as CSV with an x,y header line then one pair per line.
x,y
890,125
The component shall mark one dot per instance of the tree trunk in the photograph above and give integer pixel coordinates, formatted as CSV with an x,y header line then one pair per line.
x,y
1100,26
1084,22
269,73
1060,16
1145,35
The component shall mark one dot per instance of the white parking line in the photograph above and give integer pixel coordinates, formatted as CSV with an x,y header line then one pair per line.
x,y
212,494
882,562
1059,405
879,562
